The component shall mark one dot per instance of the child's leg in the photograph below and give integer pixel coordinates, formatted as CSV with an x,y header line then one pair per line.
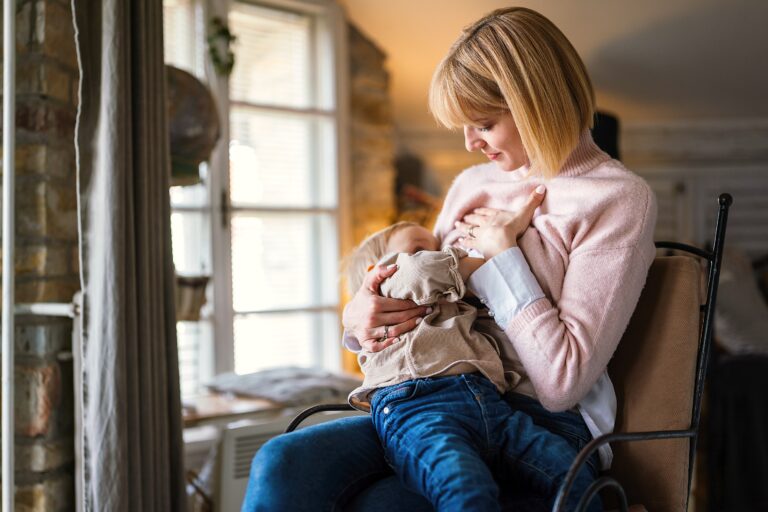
x,y
537,449
433,434
529,458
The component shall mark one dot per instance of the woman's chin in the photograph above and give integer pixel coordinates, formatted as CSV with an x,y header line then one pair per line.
x,y
509,166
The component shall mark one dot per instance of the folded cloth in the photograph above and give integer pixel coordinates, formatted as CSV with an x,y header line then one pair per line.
x,y
288,385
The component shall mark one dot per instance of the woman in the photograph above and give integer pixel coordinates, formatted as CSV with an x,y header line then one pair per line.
x,y
570,267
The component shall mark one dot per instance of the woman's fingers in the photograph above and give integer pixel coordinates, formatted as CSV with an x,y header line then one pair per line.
x,y
374,345
477,219
373,279
388,305
398,317
392,334
486,212
534,201
469,243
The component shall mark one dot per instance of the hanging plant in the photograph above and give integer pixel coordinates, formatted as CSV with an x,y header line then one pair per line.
x,y
219,41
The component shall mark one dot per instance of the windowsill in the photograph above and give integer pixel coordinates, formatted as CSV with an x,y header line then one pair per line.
x,y
218,408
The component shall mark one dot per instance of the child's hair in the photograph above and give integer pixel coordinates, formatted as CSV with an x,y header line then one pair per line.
x,y
515,60
371,250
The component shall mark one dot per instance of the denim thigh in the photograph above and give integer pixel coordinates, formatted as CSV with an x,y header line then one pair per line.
x,y
567,424
317,468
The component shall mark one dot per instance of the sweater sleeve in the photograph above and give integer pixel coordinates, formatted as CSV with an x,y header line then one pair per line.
x,y
426,276
565,347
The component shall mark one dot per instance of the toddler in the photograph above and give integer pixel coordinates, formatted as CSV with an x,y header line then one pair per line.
x,y
417,388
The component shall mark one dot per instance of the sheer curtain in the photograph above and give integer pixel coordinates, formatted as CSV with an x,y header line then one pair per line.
x,y
131,442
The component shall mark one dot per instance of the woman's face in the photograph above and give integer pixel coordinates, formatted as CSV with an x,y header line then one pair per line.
x,y
496,136
412,239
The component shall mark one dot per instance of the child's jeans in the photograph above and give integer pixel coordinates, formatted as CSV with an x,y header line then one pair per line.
x,y
447,437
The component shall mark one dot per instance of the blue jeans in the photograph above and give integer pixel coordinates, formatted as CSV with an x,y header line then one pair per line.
x,y
341,465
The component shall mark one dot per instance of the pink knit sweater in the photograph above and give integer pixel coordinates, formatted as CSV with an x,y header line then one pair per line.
x,y
590,246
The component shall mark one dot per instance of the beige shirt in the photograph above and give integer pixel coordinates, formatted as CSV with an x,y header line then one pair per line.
x,y
446,342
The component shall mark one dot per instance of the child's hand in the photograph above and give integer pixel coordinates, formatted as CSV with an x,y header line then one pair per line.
x,y
493,231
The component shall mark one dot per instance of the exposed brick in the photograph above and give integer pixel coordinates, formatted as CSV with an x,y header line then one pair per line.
x,y
43,160
61,209
24,26
39,76
55,494
29,260
54,32
41,260
47,289
75,259
39,336
30,208
41,116
44,455
46,209
37,395
372,138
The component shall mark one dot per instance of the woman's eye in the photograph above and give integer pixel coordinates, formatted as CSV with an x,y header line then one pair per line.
x,y
485,128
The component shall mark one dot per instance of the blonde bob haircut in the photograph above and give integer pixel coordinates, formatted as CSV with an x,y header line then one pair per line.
x,y
515,60
369,252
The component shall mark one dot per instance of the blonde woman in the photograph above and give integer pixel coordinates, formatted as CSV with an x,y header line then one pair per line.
x,y
568,270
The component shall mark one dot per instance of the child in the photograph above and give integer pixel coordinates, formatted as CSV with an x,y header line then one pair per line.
x,y
401,388
445,342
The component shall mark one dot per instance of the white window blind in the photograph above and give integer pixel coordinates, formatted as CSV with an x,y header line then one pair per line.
x,y
280,226
283,184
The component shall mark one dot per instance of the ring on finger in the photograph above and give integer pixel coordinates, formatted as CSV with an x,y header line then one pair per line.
x,y
471,231
386,331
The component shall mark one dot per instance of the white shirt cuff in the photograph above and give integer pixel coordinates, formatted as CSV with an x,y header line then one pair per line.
x,y
506,285
350,342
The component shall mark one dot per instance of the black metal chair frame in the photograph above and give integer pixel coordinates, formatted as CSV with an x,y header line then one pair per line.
x,y
714,260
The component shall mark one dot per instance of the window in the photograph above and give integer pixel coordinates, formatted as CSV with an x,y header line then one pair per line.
x,y
264,222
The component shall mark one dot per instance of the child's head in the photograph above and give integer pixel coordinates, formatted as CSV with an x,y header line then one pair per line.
x,y
407,237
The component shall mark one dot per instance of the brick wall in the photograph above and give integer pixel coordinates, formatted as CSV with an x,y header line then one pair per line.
x,y
46,252
372,138
373,204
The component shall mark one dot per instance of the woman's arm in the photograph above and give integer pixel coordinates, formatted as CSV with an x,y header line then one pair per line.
x,y
566,346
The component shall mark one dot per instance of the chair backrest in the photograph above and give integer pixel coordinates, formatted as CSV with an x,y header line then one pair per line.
x,y
653,372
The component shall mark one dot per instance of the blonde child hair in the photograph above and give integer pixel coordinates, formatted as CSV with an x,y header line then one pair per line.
x,y
516,60
372,249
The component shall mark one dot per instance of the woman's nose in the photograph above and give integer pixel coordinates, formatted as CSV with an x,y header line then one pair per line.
x,y
471,140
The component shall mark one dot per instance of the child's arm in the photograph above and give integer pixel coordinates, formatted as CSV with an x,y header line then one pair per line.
x,y
425,276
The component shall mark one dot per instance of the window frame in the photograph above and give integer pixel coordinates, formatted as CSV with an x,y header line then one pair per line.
x,y
330,35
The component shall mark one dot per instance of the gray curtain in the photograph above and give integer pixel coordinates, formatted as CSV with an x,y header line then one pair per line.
x,y
131,442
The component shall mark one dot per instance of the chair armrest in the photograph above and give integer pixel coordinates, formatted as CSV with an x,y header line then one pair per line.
x,y
591,448
306,413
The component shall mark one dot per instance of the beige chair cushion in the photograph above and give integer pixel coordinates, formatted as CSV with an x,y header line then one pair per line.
x,y
653,372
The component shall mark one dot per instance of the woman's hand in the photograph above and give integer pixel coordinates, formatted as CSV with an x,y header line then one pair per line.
x,y
377,321
493,231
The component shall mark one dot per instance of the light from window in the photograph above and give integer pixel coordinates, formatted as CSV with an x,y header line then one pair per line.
x,y
283,190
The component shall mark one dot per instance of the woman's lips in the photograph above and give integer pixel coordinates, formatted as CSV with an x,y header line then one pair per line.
x,y
492,156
